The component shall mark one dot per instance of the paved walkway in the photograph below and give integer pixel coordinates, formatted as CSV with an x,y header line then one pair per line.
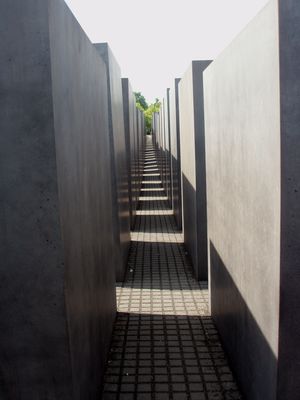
x,y
165,345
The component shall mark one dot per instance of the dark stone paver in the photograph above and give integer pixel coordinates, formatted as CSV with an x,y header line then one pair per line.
x,y
165,344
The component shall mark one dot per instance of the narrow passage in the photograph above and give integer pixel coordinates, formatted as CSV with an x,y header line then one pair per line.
x,y
165,345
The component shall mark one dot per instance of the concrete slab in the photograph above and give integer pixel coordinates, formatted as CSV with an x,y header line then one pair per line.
x,y
159,150
162,160
191,116
175,153
139,147
168,159
57,290
252,114
118,159
135,182
129,108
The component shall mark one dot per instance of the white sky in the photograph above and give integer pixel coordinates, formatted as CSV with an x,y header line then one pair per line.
x,y
155,41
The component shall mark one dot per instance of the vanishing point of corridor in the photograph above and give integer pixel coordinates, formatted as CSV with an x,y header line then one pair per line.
x,y
165,345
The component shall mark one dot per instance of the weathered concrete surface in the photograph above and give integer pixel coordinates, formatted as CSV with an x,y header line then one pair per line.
x,y
118,159
252,114
57,295
191,116
129,108
175,154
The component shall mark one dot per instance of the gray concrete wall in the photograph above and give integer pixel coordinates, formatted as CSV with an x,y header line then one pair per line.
x,y
155,127
168,182
118,159
84,182
191,116
57,296
135,180
162,147
175,154
252,96
129,124
141,147
156,136
160,140
138,150
289,330
34,352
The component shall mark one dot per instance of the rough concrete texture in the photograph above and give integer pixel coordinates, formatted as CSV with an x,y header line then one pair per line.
x,y
252,114
57,295
191,116
129,108
118,159
175,154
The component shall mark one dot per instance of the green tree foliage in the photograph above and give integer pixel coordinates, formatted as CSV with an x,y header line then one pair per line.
x,y
148,111
154,107
141,102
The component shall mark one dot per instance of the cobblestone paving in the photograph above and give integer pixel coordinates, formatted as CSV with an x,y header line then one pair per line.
x,y
165,345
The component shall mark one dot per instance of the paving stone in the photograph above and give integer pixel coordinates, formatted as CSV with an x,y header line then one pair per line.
x,y
111,387
198,396
165,344
126,396
144,396
109,396
162,396
180,396
127,387
196,387
144,387
179,387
